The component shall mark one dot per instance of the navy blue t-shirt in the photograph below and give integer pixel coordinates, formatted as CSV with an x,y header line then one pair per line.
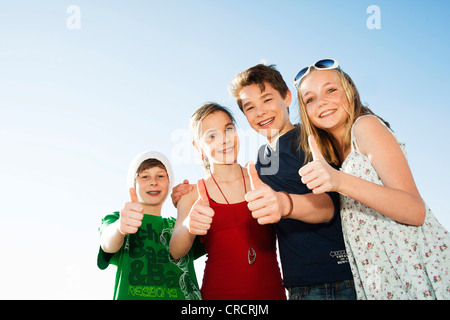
x,y
310,253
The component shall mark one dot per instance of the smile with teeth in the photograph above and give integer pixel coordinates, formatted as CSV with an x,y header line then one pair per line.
x,y
227,150
266,122
326,113
153,193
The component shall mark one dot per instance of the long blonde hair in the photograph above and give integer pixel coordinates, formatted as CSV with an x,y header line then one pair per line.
x,y
326,142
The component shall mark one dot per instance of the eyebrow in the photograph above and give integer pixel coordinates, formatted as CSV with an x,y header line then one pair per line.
x,y
260,98
324,85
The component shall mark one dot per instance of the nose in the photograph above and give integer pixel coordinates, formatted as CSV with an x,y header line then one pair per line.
x,y
260,111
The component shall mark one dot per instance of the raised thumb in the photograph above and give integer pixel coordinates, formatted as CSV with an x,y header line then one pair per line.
x,y
201,189
255,181
314,148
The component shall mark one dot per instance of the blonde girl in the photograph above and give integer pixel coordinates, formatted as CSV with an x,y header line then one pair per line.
x,y
396,247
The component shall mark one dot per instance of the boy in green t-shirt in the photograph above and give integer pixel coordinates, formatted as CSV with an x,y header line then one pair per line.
x,y
136,239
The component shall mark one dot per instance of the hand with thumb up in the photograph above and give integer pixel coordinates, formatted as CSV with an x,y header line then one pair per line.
x,y
318,175
201,215
131,215
266,205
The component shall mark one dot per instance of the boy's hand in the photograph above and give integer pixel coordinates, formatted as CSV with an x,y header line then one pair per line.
x,y
200,217
131,215
267,205
318,175
180,190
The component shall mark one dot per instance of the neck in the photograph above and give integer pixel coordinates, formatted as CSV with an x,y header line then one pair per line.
x,y
224,172
338,135
153,210
287,127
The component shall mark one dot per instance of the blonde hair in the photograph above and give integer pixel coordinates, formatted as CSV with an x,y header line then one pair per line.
x,y
196,123
325,141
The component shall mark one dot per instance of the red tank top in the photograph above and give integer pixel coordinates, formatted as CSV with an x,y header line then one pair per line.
x,y
228,274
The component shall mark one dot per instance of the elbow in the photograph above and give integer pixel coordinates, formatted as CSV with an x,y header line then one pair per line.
x,y
417,213
420,215
173,252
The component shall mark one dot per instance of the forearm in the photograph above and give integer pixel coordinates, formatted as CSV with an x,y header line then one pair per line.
x,y
112,239
180,242
311,208
395,204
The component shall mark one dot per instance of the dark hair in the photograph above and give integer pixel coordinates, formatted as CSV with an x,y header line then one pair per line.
x,y
259,75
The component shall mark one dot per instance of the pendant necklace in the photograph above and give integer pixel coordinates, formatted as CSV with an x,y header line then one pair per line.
x,y
251,253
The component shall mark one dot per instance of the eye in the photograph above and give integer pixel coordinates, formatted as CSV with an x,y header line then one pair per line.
x,y
249,108
331,90
309,100
268,100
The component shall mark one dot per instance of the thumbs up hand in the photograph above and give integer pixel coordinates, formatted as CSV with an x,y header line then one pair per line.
x,y
201,215
318,175
267,205
131,215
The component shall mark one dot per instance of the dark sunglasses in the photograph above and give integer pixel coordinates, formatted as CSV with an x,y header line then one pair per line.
x,y
324,64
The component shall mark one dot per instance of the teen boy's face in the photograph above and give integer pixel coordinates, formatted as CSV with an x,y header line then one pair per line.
x,y
266,111
152,186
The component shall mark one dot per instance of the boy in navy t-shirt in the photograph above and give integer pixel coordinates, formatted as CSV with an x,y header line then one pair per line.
x,y
312,250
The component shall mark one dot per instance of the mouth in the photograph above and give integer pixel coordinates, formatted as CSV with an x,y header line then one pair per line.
x,y
227,150
266,123
153,193
327,113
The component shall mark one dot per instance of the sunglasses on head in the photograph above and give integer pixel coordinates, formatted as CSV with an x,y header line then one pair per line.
x,y
324,64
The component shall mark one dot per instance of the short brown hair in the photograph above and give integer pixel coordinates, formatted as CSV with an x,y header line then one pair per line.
x,y
259,75
150,163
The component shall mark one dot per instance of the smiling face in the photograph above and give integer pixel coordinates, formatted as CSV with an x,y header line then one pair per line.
x,y
152,186
218,140
266,111
324,99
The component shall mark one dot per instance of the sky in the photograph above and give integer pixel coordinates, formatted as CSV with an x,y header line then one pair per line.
x,y
87,85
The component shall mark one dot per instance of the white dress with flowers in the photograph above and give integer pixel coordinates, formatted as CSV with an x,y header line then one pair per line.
x,y
390,260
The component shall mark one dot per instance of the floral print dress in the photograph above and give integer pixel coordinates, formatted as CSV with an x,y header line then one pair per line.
x,y
390,260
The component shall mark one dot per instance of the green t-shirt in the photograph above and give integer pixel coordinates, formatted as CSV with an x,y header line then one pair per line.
x,y
145,268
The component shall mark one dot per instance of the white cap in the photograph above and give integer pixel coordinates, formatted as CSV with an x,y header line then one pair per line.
x,y
136,162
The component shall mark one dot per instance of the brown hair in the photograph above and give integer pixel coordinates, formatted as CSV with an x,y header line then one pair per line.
x,y
325,140
150,163
259,75
197,118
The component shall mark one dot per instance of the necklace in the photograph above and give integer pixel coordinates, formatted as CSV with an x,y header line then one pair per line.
x,y
251,253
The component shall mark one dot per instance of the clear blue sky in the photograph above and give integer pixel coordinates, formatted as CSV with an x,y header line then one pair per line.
x,y
77,105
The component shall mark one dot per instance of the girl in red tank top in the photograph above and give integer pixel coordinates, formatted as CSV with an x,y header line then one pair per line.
x,y
241,254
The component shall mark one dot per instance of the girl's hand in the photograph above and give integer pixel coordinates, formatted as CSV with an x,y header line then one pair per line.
x,y
201,215
318,175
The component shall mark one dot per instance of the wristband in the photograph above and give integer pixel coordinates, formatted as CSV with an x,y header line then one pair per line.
x,y
291,204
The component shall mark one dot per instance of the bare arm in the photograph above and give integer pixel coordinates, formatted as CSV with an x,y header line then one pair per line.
x,y
311,208
182,240
130,220
269,206
398,197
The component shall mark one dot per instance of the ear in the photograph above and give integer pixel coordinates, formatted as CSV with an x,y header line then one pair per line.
x,y
288,98
199,150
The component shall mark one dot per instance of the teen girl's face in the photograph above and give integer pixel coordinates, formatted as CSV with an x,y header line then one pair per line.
x,y
152,186
325,100
218,139
266,111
